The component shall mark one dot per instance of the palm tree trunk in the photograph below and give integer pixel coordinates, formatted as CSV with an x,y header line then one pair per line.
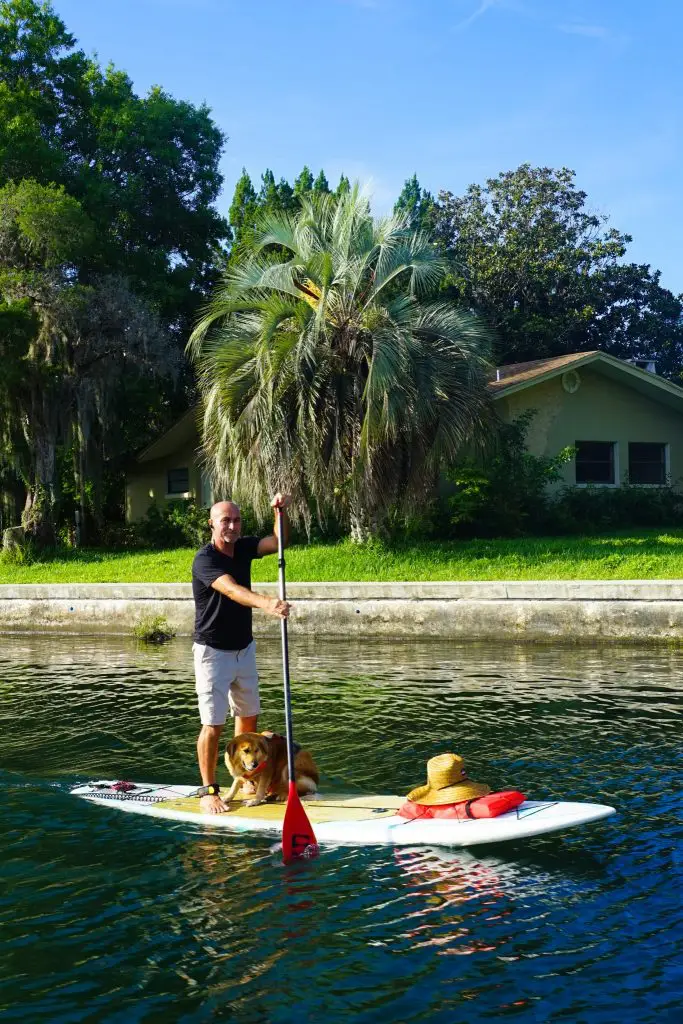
x,y
364,523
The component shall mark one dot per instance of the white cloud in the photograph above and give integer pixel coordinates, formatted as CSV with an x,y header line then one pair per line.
x,y
490,5
591,31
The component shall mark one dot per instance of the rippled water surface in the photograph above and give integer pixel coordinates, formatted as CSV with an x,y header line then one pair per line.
x,y
118,918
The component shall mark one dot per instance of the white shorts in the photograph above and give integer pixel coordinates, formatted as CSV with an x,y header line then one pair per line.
x,y
225,679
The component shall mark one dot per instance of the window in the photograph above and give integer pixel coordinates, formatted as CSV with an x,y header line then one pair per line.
x,y
595,462
178,481
646,463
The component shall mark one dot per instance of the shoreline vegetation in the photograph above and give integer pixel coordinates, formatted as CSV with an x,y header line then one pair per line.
x,y
627,555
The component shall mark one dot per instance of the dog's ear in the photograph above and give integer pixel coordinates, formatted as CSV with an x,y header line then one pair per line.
x,y
231,748
264,745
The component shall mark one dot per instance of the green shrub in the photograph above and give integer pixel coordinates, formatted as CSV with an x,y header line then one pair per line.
x,y
506,496
596,509
23,554
180,524
153,629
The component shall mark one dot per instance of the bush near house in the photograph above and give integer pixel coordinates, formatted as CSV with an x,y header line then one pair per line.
x,y
507,495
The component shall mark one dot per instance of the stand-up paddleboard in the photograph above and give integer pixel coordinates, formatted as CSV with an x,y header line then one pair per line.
x,y
347,820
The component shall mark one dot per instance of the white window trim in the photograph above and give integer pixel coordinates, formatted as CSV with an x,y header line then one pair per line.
x,y
617,471
178,494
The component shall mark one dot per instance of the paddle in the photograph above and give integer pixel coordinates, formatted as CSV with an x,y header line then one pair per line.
x,y
298,838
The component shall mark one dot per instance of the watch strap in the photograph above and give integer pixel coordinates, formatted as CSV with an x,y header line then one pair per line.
x,y
213,789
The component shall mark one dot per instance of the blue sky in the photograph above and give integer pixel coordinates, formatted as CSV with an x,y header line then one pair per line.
x,y
454,90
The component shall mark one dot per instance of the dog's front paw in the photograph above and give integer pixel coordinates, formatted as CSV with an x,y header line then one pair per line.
x,y
253,803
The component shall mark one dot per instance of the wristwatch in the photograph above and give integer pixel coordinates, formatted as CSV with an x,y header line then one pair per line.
x,y
213,789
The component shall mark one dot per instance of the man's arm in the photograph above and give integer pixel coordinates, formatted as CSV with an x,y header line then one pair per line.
x,y
242,595
268,545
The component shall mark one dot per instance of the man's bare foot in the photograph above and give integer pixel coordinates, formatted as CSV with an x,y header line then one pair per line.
x,y
248,787
212,805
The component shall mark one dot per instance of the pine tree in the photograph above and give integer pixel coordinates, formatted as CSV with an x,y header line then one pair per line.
x,y
344,186
321,184
243,206
304,183
416,202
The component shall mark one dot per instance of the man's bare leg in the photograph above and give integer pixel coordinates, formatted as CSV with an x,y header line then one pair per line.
x,y
207,755
249,724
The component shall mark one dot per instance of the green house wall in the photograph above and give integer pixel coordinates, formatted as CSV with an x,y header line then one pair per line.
x,y
147,483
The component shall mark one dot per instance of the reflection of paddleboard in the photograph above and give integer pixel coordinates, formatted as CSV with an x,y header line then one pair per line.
x,y
349,820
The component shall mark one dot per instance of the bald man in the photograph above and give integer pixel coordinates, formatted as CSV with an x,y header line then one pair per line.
x,y
224,655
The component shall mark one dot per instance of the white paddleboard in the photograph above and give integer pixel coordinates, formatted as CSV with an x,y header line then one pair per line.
x,y
348,820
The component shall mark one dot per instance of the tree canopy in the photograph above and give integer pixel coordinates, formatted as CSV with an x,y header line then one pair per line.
x,y
108,243
249,207
550,276
417,204
64,346
144,169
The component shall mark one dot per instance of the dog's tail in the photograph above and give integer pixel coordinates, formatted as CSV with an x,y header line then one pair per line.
x,y
305,785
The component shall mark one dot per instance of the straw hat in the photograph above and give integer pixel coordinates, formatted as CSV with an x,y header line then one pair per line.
x,y
447,783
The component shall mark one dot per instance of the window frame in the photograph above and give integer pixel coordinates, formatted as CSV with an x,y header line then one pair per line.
x,y
666,464
177,494
616,481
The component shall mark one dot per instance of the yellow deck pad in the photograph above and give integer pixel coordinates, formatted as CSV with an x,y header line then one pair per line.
x,y
318,811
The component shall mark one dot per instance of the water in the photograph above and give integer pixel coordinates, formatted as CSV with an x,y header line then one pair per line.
x,y
112,918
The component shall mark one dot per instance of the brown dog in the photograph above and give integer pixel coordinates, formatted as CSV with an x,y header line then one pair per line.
x,y
261,759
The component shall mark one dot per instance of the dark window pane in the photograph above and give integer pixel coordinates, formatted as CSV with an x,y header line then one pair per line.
x,y
646,462
594,462
178,481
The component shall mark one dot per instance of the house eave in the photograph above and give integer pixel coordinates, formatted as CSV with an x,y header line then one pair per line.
x,y
180,433
643,381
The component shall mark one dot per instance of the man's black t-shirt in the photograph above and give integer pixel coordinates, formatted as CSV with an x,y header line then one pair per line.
x,y
220,622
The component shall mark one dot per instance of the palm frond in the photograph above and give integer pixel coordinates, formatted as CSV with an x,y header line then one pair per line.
x,y
325,370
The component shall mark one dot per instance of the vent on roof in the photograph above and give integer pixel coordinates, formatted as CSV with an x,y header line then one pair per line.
x,y
644,364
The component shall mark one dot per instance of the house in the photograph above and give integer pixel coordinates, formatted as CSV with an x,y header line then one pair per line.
x,y
169,469
625,422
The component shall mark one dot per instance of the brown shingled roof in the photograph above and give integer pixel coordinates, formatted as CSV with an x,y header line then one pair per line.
x,y
518,373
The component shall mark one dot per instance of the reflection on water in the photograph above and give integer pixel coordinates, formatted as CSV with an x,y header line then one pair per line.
x,y
108,917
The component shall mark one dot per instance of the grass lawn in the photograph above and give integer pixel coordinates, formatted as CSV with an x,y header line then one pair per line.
x,y
635,554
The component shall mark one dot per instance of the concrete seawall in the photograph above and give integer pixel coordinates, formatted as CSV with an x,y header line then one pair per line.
x,y
567,610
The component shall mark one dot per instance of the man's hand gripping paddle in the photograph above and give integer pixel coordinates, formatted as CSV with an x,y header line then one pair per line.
x,y
298,838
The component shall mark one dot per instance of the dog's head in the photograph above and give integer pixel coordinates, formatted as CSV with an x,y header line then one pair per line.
x,y
245,753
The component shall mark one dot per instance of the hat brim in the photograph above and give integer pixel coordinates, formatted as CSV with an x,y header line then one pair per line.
x,y
450,795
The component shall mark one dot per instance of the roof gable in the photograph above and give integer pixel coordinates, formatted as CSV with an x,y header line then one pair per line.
x,y
519,376
184,431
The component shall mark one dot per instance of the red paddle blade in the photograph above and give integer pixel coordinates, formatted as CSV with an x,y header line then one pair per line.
x,y
298,838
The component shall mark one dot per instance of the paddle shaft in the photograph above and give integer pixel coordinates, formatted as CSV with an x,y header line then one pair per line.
x,y
285,645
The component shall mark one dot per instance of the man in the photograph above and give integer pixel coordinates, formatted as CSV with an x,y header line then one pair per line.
x,y
224,656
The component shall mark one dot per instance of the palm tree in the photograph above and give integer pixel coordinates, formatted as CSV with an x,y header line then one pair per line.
x,y
326,370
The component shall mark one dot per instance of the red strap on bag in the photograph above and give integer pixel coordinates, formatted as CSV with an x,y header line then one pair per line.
x,y
494,804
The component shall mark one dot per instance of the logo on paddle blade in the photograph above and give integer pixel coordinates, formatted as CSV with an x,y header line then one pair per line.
x,y
304,845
